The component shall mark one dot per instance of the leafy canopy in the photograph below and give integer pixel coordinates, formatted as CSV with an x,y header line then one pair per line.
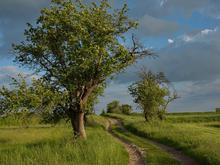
x,y
115,107
37,97
152,94
78,45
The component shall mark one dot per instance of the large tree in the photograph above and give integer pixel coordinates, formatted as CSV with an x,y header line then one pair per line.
x,y
77,46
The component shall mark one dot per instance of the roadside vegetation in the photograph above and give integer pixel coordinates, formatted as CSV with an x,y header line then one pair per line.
x,y
198,139
153,154
43,144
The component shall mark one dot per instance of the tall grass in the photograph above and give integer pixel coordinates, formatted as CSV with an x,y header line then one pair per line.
x,y
200,140
152,153
18,121
55,146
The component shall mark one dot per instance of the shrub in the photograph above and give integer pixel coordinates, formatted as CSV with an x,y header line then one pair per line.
x,y
103,112
113,107
126,109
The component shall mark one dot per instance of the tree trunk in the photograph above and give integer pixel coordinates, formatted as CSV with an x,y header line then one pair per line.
x,y
77,121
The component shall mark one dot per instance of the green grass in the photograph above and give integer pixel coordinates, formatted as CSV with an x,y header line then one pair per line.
x,y
198,139
55,146
193,117
152,154
15,121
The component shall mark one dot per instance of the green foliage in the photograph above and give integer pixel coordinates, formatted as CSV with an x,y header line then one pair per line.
x,y
24,101
115,107
217,110
103,112
152,94
126,109
78,46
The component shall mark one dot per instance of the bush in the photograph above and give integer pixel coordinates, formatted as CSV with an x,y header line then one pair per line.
x,y
217,110
126,109
113,107
103,112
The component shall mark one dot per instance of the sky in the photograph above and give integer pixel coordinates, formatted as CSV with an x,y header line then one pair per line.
x,y
185,34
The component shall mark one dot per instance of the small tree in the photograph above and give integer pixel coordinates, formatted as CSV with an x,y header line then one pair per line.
x,y
113,107
23,100
126,109
77,47
152,94
217,110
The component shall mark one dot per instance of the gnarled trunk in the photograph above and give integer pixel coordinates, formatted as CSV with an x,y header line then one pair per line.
x,y
77,121
76,112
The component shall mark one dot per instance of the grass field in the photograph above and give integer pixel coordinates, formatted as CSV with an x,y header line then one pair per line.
x,y
197,135
55,146
152,153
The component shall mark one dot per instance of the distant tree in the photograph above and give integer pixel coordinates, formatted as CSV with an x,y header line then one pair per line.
x,y
152,94
77,46
126,109
113,107
103,112
217,110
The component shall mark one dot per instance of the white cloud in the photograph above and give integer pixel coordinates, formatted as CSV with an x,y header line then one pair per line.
x,y
208,31
200,36
187,38
162,3
170,41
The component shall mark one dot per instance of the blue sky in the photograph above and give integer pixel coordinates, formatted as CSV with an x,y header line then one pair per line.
x,y
185,34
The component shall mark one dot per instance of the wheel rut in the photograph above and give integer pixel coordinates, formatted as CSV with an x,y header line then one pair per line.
x,y
135,154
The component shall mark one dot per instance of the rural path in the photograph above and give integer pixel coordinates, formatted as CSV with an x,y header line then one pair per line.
x,y
135,154
178,155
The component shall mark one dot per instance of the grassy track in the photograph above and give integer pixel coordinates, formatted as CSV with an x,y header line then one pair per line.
x,y
152,154
54,146
197,139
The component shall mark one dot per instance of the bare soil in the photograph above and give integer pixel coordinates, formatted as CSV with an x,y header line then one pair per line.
x,y
135,154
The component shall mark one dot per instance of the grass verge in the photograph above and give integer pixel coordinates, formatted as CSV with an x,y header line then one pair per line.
x,y
55,146
152,154
199,140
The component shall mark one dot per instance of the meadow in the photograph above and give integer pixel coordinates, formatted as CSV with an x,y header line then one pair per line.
x,y
54,145
196,134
